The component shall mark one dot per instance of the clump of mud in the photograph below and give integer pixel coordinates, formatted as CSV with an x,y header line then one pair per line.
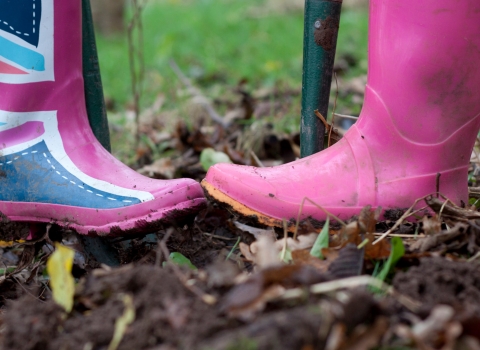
x,y
166,312
12,231
441,281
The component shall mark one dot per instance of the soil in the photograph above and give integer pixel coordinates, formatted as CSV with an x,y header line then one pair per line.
x,y
231,301
166,315
228,303
12,231
440,281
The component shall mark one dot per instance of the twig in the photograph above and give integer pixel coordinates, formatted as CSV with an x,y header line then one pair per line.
x,y
202,100
137,62
159,252
344,116
474,192
322,119
218,237
257,160
212,235
401,235
442,208
26,290
333,111
300,211
475,257
352,282
403,217
363,244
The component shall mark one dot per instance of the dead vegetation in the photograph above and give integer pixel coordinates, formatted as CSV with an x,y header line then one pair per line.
x,y
257,288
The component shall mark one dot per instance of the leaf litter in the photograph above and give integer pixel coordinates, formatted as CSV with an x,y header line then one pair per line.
x,y
218,281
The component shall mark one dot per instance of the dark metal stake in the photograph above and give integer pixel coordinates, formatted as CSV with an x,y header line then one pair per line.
x,y
322,19
96,248
97,114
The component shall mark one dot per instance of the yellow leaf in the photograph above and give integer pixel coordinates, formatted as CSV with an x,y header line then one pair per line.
x,y
6,244
59,268
123,322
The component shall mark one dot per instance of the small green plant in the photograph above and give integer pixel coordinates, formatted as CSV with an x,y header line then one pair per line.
x,y
321,242
243,344
396,252
210,157
180,260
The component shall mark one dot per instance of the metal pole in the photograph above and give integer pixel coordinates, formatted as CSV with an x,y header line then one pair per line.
x,y
97,114
322,18
96,248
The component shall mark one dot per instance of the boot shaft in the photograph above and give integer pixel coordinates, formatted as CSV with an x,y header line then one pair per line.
x,y
49,69
424,59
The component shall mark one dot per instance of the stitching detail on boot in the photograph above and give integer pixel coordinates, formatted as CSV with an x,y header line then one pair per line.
x,y
73,182
16,31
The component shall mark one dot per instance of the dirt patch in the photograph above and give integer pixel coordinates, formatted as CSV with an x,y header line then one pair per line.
x,y
293,329
31,324
441,281
12,231
166,312
169,316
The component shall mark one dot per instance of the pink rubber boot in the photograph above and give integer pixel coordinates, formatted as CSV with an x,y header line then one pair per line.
x,y
420,118
52,169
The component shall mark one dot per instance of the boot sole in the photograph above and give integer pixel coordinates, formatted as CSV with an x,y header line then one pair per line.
x,y
251,215
112,228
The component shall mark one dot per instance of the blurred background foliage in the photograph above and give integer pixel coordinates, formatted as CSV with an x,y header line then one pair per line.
x,y
221,45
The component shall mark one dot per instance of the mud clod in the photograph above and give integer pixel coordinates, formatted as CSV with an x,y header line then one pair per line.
x,y
12,231
165,313
440,281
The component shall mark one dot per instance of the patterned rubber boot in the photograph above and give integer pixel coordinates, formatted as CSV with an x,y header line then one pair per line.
x,y
52,168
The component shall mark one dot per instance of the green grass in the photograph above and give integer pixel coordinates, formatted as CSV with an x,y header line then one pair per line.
x,y
220,38
218,43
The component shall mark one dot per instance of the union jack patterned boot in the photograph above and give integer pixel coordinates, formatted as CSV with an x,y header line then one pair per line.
x,y
52,168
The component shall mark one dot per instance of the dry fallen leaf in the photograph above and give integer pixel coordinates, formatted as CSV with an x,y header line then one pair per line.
x,y
59,267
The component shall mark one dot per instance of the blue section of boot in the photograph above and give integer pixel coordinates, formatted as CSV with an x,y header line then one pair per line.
x,y
35,176
20,55
21,18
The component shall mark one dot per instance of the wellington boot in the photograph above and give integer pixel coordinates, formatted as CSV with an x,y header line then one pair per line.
x,y
415,134
52,169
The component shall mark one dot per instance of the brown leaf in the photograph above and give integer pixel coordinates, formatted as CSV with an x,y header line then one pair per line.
x,y
250,297
431,226
304,257
381,250
245,250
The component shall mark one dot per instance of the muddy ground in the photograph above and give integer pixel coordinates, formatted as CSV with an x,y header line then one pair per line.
x,y
430,299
